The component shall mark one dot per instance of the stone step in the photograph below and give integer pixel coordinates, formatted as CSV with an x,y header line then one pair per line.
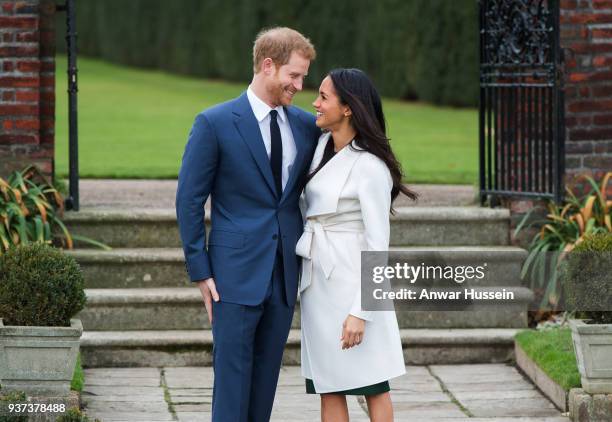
x,y
183,309
421,226
175,308
450,226
132,267
165,267
194,347
125,227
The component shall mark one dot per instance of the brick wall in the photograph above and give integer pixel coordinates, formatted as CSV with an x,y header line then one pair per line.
x,y
586,36
27,85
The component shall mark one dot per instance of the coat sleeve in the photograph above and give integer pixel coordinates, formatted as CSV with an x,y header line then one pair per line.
x,y
195,181
374,189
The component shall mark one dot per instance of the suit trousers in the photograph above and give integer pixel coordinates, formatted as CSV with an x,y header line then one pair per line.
x,y
247,353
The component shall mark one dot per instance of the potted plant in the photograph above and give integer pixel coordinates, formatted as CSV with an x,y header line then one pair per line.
x,y
41,289
587,285
563,227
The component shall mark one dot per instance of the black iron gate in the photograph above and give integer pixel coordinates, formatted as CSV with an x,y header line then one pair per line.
x,y
72,202
521,100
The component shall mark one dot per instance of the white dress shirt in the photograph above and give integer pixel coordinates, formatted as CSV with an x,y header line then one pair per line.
x,y
262,114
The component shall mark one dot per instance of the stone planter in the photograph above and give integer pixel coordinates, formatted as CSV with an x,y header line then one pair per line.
x,y
593,347
39,360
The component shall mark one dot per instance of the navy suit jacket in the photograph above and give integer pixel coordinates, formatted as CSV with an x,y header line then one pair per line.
x,y
225,157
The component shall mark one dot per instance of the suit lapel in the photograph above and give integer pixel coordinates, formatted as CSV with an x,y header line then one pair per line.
x,y
247,125
299,138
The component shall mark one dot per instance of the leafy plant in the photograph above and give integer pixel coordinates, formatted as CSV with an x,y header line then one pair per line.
x,y
586,277
564,227
30,211
12,397
39,286
74,415
60,185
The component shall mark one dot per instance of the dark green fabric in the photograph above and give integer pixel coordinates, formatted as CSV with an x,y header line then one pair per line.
x,y
368,390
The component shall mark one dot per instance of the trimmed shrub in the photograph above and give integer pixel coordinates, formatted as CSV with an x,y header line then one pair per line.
x,y
587,278
39,286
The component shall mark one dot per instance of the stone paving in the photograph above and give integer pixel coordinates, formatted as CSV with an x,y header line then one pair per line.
x,y
119,193
436,393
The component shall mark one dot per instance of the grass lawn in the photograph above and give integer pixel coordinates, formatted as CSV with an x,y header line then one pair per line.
x,y
134,123
78,378
553,352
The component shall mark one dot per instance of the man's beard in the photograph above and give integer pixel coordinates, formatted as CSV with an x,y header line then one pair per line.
x,y
279,94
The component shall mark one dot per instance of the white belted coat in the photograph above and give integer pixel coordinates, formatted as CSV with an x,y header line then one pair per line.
x,y
346,206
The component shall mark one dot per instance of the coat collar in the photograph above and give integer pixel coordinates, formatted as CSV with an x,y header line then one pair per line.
x,y
325,187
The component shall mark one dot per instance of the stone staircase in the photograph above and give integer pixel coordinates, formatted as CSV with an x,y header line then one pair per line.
x,y
142,310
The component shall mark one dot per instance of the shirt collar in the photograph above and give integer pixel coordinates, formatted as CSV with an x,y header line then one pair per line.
x,y
261,109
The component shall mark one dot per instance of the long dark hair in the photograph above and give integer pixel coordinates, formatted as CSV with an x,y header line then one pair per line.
x,y
356,90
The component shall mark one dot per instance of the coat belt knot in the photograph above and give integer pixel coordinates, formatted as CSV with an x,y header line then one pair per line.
x,y
317,228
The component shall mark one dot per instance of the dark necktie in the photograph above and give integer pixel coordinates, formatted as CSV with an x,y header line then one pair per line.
x,y
276,153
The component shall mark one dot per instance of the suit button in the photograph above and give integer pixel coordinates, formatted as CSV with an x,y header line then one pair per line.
x,y
274,236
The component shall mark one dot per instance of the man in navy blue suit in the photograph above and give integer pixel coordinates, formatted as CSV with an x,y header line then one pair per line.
x,y
251,155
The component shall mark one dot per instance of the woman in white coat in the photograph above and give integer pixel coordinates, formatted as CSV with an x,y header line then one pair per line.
x,y
353,179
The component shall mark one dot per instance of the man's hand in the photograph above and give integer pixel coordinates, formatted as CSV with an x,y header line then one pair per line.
x,y
209,293
352,332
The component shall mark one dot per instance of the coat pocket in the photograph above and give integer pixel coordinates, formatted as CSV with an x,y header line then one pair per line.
x,y
226,238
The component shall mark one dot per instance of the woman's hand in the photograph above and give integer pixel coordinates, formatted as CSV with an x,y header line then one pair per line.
x,y
352,331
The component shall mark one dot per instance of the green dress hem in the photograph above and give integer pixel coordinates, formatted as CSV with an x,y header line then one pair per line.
x,y
368,390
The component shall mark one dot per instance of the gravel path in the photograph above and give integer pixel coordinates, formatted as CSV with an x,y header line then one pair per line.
x,y
161,193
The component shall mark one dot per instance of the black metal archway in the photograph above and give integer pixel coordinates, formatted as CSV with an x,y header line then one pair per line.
x,y
521,112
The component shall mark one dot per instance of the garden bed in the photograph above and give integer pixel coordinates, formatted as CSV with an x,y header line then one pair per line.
x,y
547,358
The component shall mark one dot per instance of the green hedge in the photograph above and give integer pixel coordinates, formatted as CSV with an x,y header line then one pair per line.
x,y
413,49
